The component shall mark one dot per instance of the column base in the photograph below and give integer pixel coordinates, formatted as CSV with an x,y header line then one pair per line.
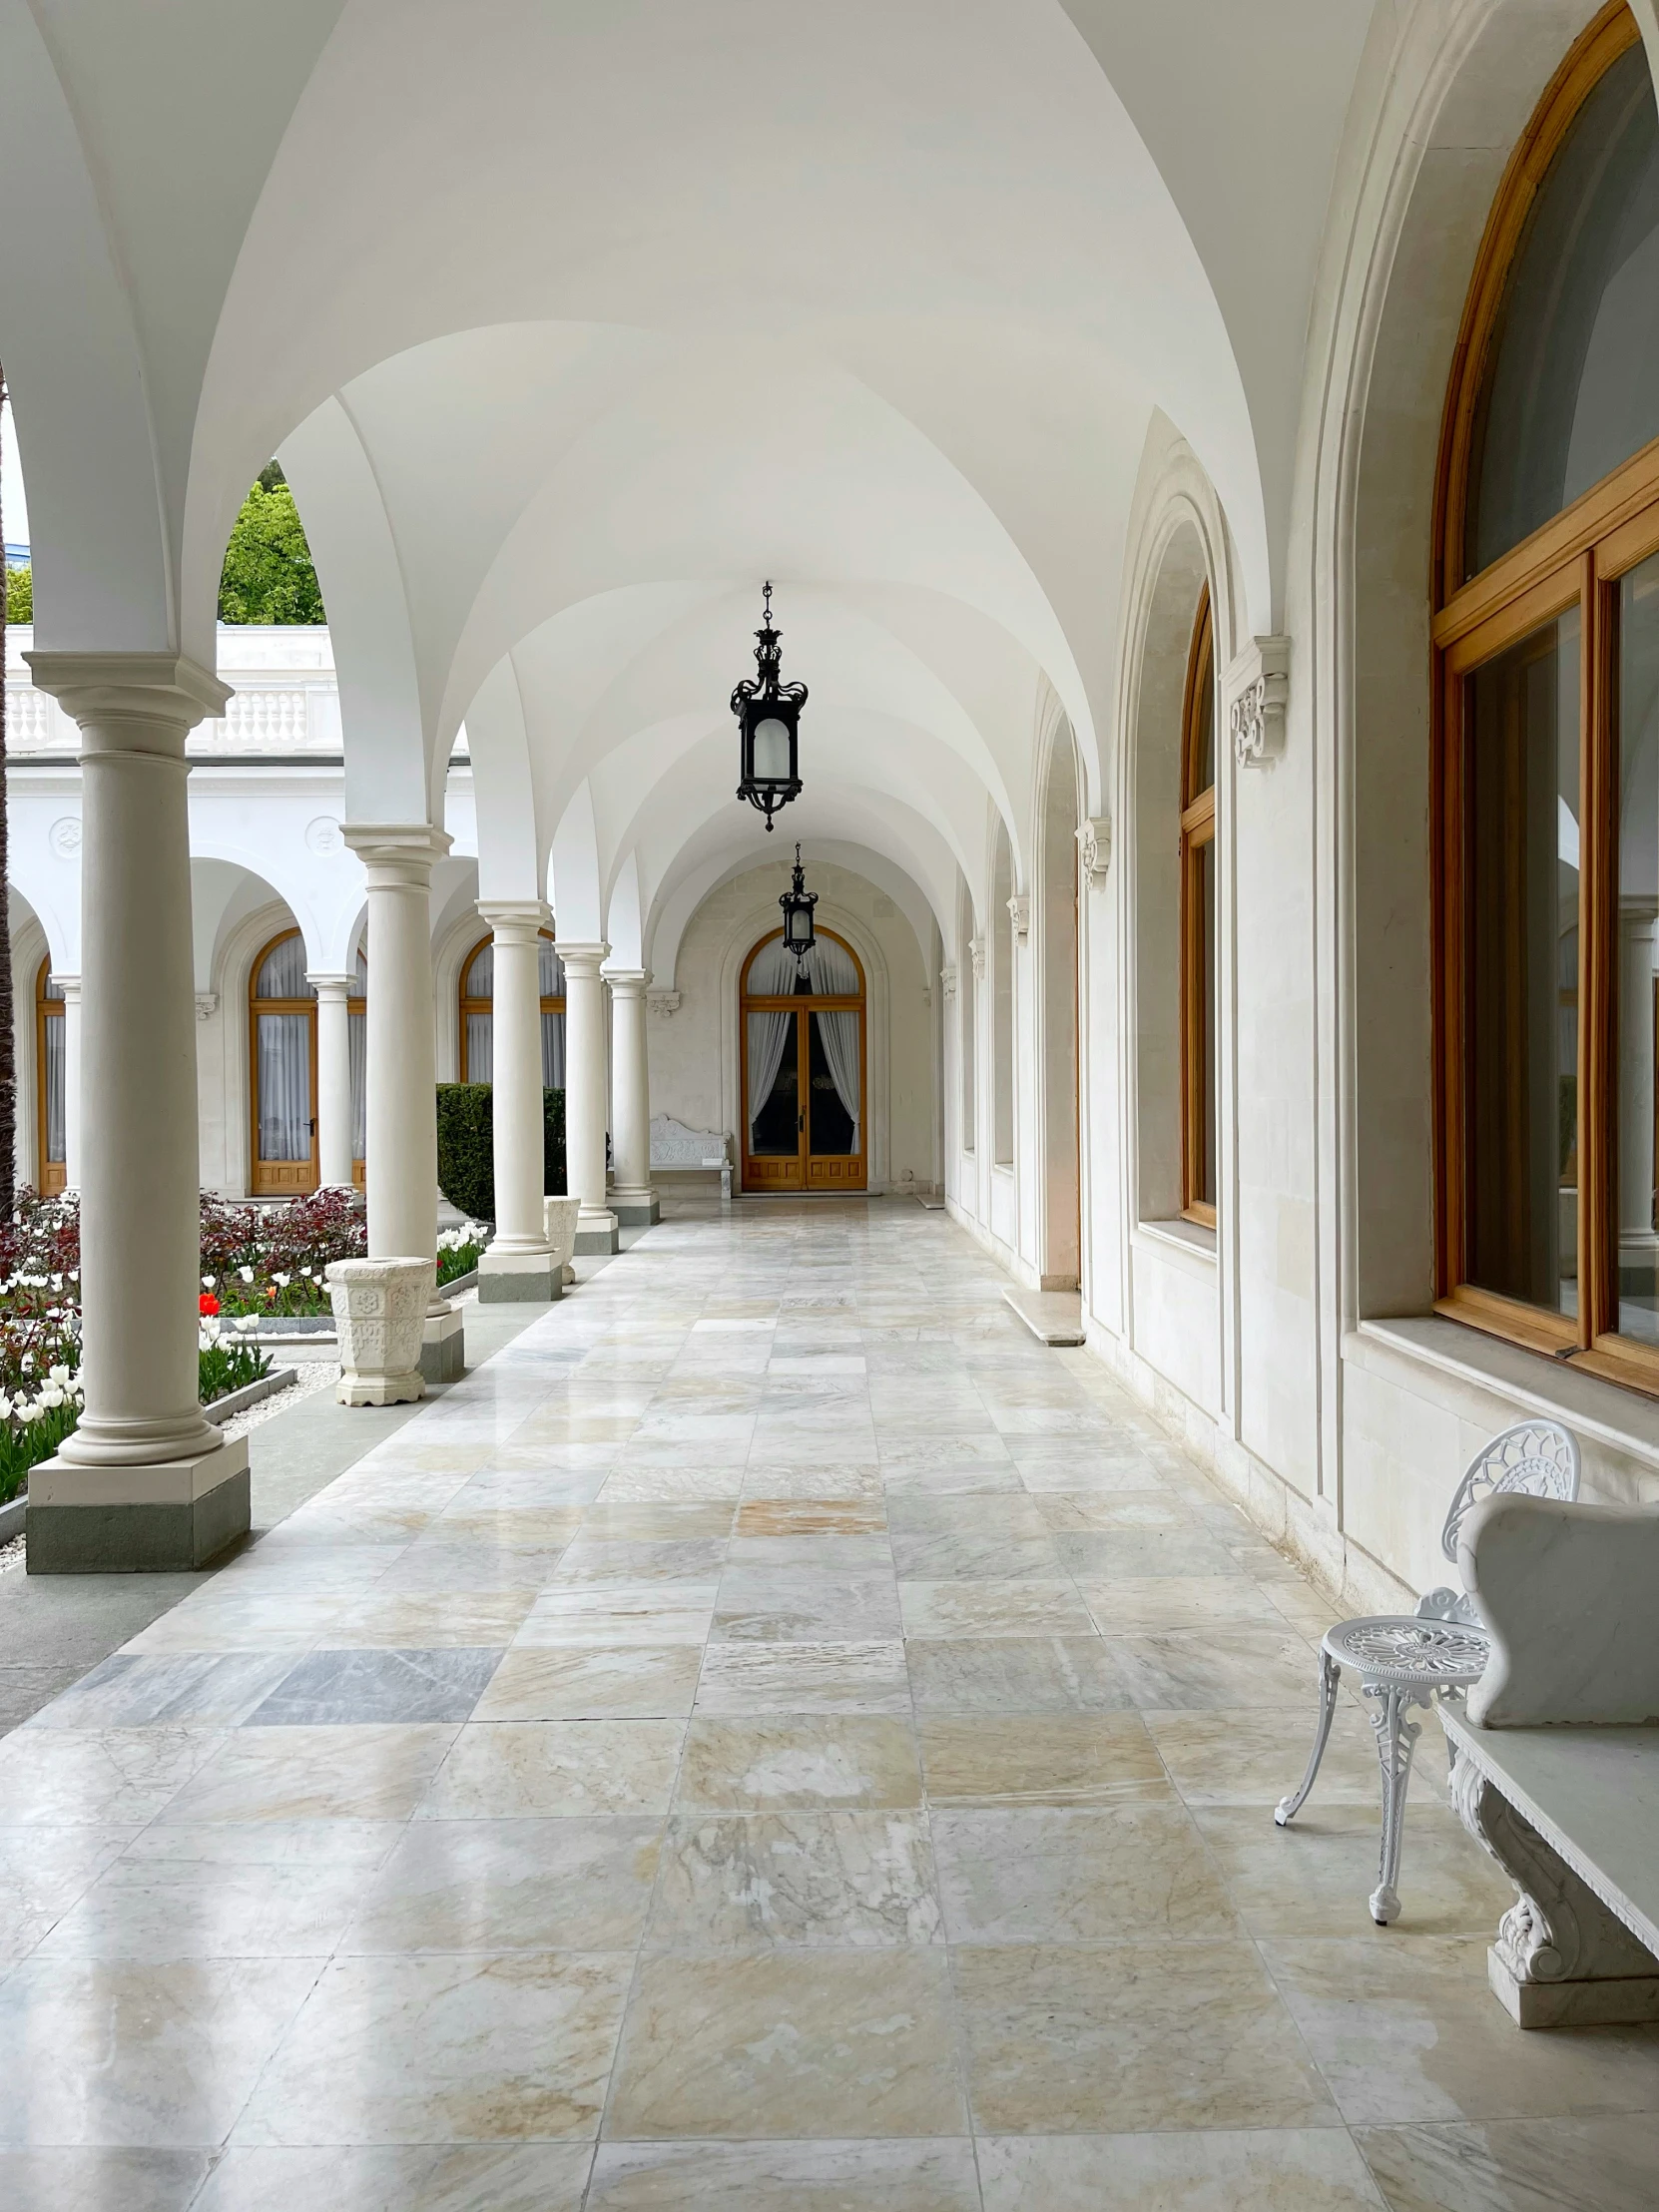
x,y
159,1520
636,1209
517,1278
596,1232
443,1347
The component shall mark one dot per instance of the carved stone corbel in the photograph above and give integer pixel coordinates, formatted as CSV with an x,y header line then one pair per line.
x,y
976,952
207,1005
1094,845
1257,690
1019,907
664,1004
947,978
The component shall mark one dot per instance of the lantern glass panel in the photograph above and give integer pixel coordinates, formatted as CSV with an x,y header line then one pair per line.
x,y
770,754
797,925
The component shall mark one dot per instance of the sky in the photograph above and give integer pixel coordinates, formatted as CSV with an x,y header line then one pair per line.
x,y
11,485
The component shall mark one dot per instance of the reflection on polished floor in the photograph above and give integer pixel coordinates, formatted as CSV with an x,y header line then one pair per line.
x,y
777,1735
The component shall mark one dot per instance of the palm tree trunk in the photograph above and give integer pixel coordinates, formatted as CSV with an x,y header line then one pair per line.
x,y
8,1029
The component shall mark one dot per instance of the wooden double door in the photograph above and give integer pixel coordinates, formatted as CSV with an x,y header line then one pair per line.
x,y
804,1081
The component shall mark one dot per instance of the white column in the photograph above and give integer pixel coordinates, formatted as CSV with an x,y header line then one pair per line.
x,y
519,1263
633,1201
1638,1246
143,1481
585,1088
70,985
334,1152
402,1145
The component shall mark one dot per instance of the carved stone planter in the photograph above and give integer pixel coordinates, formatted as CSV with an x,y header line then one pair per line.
x,y
380,1316
559,1215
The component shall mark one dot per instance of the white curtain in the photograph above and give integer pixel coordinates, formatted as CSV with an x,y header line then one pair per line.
x,y
552,971
552,1049
480,974
830,971
480,1047
283,975
54,1087
838,1032
769,1035
284,1086
356,1031
772,971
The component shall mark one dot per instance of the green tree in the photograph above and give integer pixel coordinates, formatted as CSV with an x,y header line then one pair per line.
x,y
268,574
20,595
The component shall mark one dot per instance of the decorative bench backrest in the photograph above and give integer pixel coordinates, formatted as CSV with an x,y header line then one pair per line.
x,y
1534,1459
673,1145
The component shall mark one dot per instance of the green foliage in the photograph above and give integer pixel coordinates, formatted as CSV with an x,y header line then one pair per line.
x,y
228,1366
459,1258
466,1147
25,1445
268,574
20,595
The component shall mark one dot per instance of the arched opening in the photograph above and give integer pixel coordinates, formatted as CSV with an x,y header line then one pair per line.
x,y
477,1030
281,1025
1198,925
1003,1002
51,1081
1546,743
1061,1173
802,1030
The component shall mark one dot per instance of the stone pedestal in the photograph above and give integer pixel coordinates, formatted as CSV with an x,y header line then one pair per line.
x,y
143,1481
633,1201
585,1057
517,1267
380,1317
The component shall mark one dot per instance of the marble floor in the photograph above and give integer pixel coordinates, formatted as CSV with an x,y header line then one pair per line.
x,y
775,1736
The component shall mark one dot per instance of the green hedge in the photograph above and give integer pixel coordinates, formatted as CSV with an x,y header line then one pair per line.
x,y
466,1147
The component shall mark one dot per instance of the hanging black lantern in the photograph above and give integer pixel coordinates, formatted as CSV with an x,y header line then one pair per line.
x,y
797,903
769,716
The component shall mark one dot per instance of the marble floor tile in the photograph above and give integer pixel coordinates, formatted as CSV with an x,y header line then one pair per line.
x,y
1129,2037
47,1871
616,1682
312,1774
1151,1605
354,1687
667,1520
1106,1474
94,2180
422,1620
1265,2170
1107,1512
1255,1754
758,1677
789,2043
465,2048
1407,2030
1048,1876
1188,1670
591,1561
471,2177
945,1555
790,1605
1567,2166
122,2052
825,1880
1042,1606
269,1843
161,1909
640,1482
801,1762
519,1770
1128,1553
510,1884
221,1618
1014,1674
869,1553
767,1480
1071,1758
1007,1513
1317,1884
660,1613
807,1518
785,2177
97,1777
190,1690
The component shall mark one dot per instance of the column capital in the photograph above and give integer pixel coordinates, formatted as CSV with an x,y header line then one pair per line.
x,y
130,702
582,959
328,986
396,854
627,982
516,921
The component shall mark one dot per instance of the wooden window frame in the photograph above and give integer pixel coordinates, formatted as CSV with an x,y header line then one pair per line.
x,y
1198,831
52,1176
1574,561
474,1005
258,1188
802,1003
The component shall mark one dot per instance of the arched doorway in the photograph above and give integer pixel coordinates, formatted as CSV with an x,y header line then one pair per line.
x,y
803,1061
281,1025
50,1081
477,1010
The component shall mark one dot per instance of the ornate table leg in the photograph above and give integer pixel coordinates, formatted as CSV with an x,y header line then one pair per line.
x,y
1562,1958
1396,1739
1331,1677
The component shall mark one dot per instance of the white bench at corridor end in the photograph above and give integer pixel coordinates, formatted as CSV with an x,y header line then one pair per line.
x,y
1557,1754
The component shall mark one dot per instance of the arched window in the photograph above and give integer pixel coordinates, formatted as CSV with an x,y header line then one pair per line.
x,y
282,1027
1546,635
478,1014
1198,925
1003,1002
803,1033
50,1080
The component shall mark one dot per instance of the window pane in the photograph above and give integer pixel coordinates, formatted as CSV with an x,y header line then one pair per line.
x,y
54,1027
1570,389
480,1048
282,973
1206,1074
357,1037
774,1088
480,973
1636,706
1520,1012
284,1049
553,1052
833,1052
